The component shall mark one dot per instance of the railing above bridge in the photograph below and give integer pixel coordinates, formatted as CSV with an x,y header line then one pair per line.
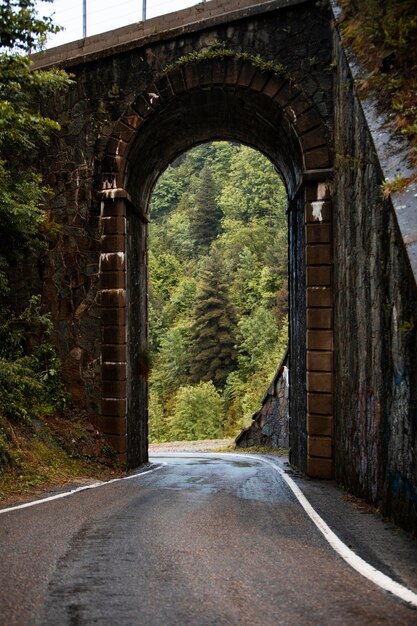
x,y
92,17
190,19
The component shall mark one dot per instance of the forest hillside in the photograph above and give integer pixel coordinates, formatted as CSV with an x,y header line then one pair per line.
x,y
218,290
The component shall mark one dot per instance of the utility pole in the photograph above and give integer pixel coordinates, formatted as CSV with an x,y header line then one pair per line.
x,y
84,18
143,10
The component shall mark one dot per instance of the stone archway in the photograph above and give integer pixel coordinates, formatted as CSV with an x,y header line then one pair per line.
x,y
234,99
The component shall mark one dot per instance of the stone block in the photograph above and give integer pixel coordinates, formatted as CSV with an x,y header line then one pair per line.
x,y
247,73
113,371
297,106
113,335
219,71
113,243
321,425
113,280
319,297
113,207
320,468
113,352
176,79
318,361
232,71
319,382
319,276
191,75
114,407
112,262
320,340
307,121
205,74
113,317
313,139
132,119
319,254
259,81
318,191
318,233
319,447
319,158
125,132
116,146
165,89
113,389
142,107
113,298
111,425
321,404
318,211
115,225
286,94
273,85
320,318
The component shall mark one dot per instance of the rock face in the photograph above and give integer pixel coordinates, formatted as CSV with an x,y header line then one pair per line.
x,y
270,424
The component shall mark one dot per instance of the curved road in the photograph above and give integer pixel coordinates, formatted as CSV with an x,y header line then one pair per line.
x,y
202,541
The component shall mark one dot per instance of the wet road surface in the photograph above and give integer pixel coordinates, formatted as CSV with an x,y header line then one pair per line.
x,y
202,541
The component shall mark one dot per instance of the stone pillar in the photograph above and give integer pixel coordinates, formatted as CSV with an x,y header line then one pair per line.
x,y
319,311
113,421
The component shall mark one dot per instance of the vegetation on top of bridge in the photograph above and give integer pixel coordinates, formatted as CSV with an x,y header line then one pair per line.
x,y
218,50
383,34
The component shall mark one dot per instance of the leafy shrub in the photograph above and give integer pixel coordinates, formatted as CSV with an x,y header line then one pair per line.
x,y
30,381
197,414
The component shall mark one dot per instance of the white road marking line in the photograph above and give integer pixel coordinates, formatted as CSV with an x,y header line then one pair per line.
x,y
355,561
64,494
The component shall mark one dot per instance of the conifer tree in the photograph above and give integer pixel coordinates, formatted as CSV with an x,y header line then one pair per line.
x,y
213,342
205,220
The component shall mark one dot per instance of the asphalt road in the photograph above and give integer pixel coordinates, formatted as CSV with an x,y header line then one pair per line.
x,y
203,541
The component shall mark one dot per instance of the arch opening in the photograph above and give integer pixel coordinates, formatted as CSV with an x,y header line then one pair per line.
x,y
218,293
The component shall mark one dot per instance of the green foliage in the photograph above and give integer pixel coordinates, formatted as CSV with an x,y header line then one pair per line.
x,y
197,413
252,191
383,33
23,130
218,283
30,382
21,28
258,337
218,50
205,219
213,341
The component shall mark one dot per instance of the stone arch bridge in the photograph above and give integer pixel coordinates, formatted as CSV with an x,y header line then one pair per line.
x,y
273,75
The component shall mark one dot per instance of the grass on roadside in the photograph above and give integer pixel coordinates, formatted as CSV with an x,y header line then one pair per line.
x,y
51,452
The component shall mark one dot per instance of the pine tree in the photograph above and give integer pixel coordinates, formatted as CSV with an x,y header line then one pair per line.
x,y
213,342
205,220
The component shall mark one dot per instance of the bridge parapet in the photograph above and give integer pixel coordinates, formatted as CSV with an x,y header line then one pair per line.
x,y
158,29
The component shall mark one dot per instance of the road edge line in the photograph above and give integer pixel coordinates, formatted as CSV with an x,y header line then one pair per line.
x,y
351,558
64,494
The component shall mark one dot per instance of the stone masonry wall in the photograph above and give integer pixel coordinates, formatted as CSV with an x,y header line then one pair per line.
x,y
270,424
375,316
109,86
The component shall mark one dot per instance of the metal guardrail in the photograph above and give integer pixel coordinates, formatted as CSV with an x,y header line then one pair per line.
x,y
91,17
